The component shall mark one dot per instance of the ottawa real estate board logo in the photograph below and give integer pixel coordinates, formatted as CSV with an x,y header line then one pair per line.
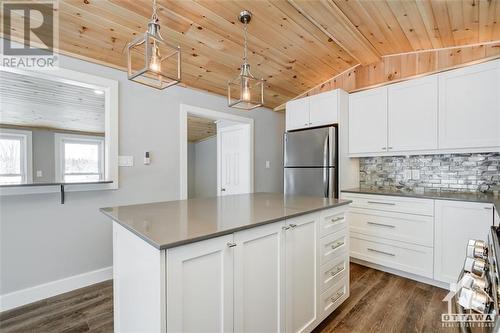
x,y
30,34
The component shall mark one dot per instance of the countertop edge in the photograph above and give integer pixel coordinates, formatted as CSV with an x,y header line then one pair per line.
x,y
492,200
220,233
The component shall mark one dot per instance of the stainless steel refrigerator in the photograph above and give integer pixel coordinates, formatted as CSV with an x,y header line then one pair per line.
x,y
310,162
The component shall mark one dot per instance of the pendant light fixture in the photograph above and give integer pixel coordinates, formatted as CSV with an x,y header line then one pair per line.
x,y
151,60
245,91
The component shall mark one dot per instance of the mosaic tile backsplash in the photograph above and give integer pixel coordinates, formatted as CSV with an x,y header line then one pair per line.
x,y
455,172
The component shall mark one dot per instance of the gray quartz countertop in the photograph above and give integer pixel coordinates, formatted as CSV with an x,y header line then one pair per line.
x,y
173,223
436,195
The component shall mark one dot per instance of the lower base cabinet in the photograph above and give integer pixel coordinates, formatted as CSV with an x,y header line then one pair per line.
x,y
265,279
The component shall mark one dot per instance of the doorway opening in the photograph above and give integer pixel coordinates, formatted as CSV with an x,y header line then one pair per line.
x,y
216,153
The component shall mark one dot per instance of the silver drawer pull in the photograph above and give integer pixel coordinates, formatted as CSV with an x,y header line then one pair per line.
x,y
337,245
381,224
382,252
334,220
338,270
488,208
230,244
293,225
382,203
285,227
337,296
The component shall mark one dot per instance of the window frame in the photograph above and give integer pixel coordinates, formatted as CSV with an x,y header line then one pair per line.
x,y
60,139
26,153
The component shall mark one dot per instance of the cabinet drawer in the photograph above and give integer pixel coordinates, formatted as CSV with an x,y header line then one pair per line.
x,y
332,220
391,203
410,258
333,297
333,245
409,228
333,271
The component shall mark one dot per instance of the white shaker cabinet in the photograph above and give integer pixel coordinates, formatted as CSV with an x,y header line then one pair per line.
x,y
368,121
313,111
413,115
258,279
297,114
323,108
301,273
455,223
200,286
469,107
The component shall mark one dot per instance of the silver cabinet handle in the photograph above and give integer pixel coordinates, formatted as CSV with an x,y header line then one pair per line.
x,y
333,220
285,227
382,203
382,252
231,244
293,225
389,147
337,245
223,190
383,148
338,270
337,296
488,208
306,124
381,224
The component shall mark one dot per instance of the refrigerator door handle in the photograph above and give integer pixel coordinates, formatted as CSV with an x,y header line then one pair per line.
x,y
326,158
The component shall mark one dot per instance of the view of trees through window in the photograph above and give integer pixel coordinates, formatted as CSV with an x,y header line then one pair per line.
x,y
82,162
10,161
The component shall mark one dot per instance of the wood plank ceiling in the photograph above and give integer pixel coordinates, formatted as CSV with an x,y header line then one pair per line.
x,y
200,128
294,44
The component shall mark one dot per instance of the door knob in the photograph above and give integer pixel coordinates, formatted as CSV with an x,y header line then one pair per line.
x,y
223,190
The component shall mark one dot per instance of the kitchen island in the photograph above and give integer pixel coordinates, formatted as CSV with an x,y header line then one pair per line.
x,y
261,262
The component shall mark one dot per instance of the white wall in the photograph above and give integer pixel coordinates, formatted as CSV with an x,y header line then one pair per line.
x,y
42,240
205,168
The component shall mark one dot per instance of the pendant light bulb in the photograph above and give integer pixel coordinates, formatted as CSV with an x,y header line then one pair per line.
x,y
245,94
155,61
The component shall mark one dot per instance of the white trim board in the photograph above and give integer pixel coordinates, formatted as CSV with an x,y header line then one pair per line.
x,y
210,114
29,295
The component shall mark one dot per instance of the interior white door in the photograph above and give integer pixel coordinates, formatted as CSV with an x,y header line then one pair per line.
x,y
323,108
455,223
234,160
200,286
368,121
297,114
301,273
413,115
258,279
469,107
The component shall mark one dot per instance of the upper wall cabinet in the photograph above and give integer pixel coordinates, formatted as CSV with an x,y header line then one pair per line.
x,y
454,111
413,114
313,111
368,121
469,107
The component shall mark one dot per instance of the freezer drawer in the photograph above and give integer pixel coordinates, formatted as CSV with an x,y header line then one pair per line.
x,y
320,182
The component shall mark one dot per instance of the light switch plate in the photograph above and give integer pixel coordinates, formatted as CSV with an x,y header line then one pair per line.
x,y
126,161
268,164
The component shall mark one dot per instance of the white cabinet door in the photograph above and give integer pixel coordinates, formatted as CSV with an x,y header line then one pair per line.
x,y
368,121
258,279
301,273
413,115
469,107
323,108
455,223
200,286
297,114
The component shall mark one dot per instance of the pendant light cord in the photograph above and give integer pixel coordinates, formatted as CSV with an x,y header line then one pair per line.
x,y
154,17
245,44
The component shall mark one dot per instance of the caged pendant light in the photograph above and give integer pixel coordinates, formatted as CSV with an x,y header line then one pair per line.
x,y
151,60
245,91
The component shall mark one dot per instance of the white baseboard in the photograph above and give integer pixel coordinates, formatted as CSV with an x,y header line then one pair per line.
x,y
410,276
46,290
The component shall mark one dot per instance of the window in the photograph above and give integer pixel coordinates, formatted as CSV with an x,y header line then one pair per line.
x,y
79,158
15,156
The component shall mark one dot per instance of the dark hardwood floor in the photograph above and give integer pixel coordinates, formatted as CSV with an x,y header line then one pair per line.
x,y
379,302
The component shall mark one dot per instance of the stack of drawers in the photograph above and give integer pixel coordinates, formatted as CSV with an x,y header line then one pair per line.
x,y
333,284
394,232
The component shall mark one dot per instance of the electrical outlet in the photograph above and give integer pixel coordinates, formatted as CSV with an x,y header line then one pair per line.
x,y
126,161
415,174
407,174
39,173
